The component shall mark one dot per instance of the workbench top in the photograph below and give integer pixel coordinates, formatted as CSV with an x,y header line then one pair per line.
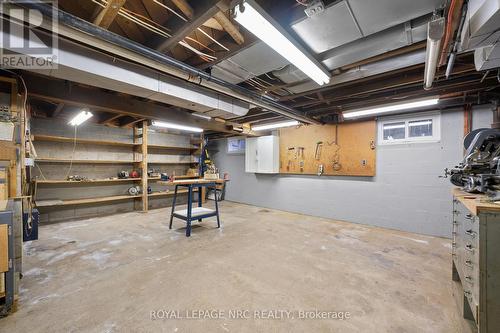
x,y
476,203
192,181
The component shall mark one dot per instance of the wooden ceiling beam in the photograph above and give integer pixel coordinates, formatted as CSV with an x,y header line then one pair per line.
x,y
131,122
110,119
108,14
230,28
57,111
204,11
185,8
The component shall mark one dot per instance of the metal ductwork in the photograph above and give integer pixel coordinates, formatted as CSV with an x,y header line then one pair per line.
x,y
435,33
75,28
481,32
87,66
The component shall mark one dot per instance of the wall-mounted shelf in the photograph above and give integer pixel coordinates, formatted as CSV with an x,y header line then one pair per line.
x,y
177,148
169,193
74,202
183,162
185,152
85,141
90,181
58,160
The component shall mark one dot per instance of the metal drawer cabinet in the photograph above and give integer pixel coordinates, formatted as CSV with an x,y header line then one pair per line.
x,y
476,259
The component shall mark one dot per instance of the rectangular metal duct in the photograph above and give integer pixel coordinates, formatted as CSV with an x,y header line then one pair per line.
x,y
487,57
87,66
248,63
482,24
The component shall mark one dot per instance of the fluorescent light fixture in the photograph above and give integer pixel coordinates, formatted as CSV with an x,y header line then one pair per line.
x,y
435,32
263,26
390,108
81,118
275,125
201,115
175,126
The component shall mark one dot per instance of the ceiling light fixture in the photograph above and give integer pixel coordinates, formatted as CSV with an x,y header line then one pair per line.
x,y
391,108
435,32
81,118
175,126
251,16
275,125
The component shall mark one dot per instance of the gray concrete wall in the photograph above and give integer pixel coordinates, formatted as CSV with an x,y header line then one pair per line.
x,y
58,127
406,193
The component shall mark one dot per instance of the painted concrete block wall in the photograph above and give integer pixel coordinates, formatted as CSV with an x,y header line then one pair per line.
x,y
406,193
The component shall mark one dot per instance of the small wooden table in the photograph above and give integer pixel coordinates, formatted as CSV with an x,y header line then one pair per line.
x,y
198,213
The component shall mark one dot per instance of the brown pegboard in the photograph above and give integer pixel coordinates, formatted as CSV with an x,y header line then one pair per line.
x,y
353,149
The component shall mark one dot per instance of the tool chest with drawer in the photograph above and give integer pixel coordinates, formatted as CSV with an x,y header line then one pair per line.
x,y
476,258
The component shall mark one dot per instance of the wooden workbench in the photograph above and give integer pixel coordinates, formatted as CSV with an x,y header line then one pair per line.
x,y
192,181
475,203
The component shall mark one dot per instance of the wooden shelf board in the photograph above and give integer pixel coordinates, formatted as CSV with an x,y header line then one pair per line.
x,y
172,162
186,177
90,181
169,193
172,147
176,177
87,141
74,202
58,160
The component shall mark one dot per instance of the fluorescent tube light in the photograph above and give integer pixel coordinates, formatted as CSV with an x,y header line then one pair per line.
x,y
201,115
390,108
251,16
435,32
81,118
275,125
175,126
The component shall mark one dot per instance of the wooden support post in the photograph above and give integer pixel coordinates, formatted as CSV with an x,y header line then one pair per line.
x,y
144,172
467,119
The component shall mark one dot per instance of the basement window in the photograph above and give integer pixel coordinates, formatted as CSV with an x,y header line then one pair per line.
x,y
409,129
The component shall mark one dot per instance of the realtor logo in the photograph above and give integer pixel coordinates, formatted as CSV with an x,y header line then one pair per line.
x,y
28,38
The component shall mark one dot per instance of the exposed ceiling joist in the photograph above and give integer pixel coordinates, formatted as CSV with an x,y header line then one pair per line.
x,y
131,122
230,28
107,14
205,10
111,119
185,8
58,110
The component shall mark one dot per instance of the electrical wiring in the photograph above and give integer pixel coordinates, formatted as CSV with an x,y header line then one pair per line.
x,y
186,20
24,189
158,29
72,154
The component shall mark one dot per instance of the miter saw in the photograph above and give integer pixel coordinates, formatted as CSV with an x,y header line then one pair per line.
x,y
479,172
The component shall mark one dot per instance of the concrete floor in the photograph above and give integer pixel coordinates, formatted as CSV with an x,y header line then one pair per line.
x,y
108,274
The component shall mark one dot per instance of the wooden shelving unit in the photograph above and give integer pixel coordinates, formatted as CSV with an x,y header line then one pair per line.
x,y
172,148
62,161
141,150
74,202
51,138
85,182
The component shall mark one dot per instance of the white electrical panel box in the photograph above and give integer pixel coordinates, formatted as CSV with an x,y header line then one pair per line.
x,y
262,154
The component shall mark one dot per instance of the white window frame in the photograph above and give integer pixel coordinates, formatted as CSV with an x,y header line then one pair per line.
x,y
436,128
235,152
